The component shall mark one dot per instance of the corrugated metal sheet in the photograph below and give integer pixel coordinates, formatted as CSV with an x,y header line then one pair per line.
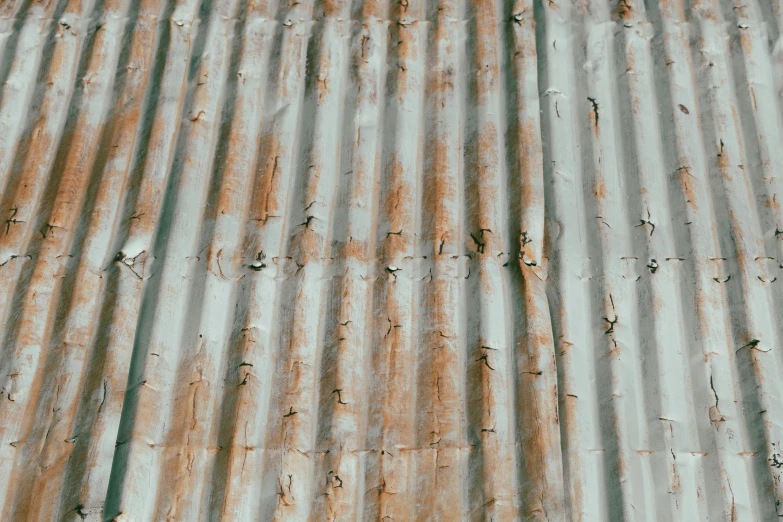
x,y
391,260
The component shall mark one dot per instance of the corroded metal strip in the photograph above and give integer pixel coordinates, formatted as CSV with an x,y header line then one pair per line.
x,y
293,414
177,372
390,424
658,268
24,352
542,487
51,439
716,379
19,86
757,341
84,483
489,376
135,260
231,485
440,460
570,274
343,376
618,359
264,253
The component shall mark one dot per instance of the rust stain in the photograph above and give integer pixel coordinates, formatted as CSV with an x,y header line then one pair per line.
x,y
687,180
600,188
269,180
623,9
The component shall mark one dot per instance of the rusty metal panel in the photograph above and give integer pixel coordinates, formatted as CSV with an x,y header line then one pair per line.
x,y
391,260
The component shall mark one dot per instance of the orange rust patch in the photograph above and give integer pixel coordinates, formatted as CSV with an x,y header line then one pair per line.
x,y
354,249
257,6
406,50
623,9
540,339
441,82
487,169
735,119
306,245
372,9
265,203
686,178
600,188
488,145
538,404
486,285
397,210
441,190
707,9
635,104
630,60
331,8
621,467
747,42
723,163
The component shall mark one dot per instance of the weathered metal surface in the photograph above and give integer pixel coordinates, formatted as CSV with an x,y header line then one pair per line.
x,y
391,260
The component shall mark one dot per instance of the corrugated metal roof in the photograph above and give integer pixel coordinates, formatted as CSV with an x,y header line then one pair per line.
x,y
391,260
